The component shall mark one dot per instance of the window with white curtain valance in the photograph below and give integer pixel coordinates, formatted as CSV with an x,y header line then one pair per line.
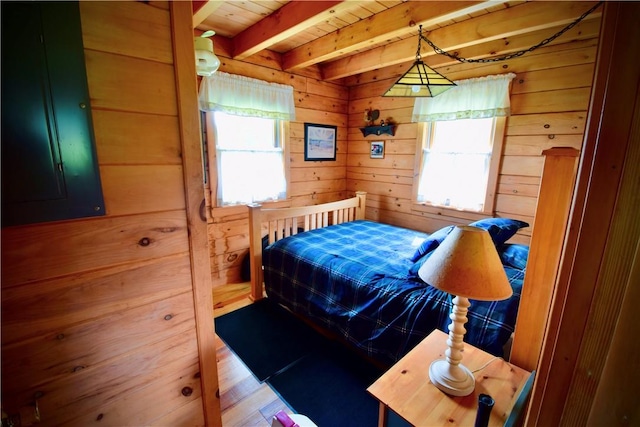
x,y
244,96
475,98
460,139
248,117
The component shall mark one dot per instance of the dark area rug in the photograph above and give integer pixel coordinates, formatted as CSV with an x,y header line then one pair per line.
x,y
267,338
330,387
312,374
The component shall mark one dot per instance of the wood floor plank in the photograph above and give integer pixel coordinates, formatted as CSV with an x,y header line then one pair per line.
x,y
230,297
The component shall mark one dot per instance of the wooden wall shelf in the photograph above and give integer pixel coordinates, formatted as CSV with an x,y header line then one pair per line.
x,y
378,130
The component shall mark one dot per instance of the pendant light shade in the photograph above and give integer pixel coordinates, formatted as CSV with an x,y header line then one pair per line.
x,y
420,81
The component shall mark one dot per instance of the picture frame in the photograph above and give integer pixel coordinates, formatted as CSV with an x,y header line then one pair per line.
x,y
377,150
320,142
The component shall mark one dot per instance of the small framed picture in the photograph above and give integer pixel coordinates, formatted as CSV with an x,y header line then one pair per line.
x,y
319,142
377,149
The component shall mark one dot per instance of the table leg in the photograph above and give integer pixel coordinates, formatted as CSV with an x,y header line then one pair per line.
x,y
382,415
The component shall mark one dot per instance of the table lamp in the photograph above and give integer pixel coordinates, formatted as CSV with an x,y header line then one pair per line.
x,y
465,265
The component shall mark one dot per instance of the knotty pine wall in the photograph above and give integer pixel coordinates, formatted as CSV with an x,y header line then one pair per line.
x,y
99,324
310,182
549,102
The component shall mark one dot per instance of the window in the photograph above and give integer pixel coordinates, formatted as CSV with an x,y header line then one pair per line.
x,y
457,163
460,144
249,158
246,131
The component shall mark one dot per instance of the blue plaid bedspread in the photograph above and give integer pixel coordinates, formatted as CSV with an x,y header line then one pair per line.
x,y
356,280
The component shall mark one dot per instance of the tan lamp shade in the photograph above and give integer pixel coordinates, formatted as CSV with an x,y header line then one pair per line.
x,y
467,264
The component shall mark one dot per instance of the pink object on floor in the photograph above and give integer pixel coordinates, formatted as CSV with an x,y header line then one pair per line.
x,y
282,419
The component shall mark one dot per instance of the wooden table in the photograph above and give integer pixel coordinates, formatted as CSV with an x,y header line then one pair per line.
x,y
406,389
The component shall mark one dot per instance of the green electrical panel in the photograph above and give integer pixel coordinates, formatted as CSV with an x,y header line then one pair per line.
x,y
49,163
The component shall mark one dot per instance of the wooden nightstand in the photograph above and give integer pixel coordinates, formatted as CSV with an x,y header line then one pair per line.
x,y
406,389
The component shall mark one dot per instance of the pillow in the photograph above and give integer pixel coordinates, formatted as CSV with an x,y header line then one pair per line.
x,y
514,255
431,242
500,229
413,270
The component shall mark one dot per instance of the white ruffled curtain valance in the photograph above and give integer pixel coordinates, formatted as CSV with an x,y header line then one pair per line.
x,y
475,98
244,96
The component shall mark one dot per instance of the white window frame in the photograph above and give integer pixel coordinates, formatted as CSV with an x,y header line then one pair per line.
x,y
424,135
212,156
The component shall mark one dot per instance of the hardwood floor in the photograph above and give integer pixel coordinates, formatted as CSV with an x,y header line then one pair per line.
x,y
244,400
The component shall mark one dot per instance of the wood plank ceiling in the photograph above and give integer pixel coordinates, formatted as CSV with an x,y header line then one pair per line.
x,y
364,40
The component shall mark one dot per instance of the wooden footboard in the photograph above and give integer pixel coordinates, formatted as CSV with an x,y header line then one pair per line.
x,y
283,222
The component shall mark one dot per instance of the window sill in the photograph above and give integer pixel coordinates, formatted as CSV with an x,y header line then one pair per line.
x,y
241,208
443,211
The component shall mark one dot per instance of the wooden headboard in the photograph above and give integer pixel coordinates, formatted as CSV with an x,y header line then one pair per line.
x,y
283,222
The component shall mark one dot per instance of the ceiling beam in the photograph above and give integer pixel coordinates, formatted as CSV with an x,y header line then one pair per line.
x,y
587,29
290,19
397,21
501,24
206,8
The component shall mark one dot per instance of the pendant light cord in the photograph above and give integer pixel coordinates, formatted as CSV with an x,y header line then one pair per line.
x,y
510,55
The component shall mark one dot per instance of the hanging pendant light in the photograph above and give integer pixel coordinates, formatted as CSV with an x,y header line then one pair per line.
x,y
420,80
207,62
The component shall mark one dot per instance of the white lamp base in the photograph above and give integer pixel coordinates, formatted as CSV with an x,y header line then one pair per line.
x,y
455,380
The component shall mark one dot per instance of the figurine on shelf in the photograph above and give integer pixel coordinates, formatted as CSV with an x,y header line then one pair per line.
x,y
386,126
370,116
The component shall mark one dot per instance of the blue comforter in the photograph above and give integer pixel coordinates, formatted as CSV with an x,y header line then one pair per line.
x,y
357,279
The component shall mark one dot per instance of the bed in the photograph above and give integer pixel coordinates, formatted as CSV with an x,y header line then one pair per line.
x,y
358,278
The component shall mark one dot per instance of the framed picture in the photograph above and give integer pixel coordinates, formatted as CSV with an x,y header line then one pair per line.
x,y
319,142
377,149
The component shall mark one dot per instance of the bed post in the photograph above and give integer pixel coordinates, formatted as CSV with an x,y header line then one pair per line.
x,y
362,200
545,255
255,251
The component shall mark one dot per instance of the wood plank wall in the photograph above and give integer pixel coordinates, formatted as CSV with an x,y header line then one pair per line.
x,y
311,182
549,102
98,315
